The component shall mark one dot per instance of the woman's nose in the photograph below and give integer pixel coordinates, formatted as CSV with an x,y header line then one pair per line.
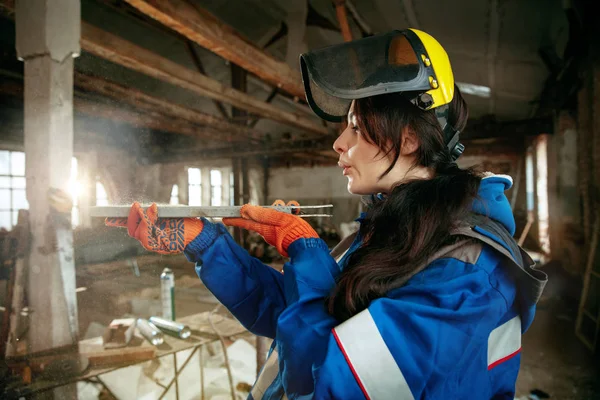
x,y
341,144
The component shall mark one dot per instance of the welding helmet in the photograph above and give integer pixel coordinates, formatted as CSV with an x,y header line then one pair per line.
x,y
408,61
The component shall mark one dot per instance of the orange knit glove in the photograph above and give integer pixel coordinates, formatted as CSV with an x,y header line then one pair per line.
x,y
279,229
164,235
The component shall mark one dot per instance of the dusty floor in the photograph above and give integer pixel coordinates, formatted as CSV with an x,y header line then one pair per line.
x,y
553,360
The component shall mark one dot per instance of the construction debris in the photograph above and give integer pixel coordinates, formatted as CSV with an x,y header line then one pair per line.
x,y
119,333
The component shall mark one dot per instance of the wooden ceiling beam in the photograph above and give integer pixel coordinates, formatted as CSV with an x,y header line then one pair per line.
x,y
149,120
120,51
228,131
127,54
137,119
209,32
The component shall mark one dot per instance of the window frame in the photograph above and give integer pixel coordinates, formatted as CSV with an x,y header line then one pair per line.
x,y
198,185
12,211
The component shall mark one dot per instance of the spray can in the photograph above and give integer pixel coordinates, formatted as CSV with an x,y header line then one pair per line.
x,y
150,332
167,294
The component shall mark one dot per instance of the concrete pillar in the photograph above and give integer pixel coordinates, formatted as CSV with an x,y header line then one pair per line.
x,y
48,33
87,177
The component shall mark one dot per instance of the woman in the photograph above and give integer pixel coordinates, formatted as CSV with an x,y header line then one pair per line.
x,y
431,297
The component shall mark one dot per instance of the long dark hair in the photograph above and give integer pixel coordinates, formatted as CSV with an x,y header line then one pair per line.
x,y
401,231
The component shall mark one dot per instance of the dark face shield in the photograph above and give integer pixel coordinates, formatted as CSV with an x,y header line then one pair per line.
x,y
387,63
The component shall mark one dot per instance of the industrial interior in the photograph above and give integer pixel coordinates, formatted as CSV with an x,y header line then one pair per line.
x,y
201,103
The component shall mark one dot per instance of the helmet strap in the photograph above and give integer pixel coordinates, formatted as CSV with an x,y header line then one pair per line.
x,y
454,146
451,134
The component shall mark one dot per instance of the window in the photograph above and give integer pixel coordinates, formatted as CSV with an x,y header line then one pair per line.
x,y
541,157
12,187
101,196
174,195
216,187
194,187
231,199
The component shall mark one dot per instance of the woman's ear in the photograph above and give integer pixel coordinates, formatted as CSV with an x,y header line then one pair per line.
x,y
410,143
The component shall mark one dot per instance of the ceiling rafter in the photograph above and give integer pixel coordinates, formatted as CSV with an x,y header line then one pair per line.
x,y
120,51
205,29
148,118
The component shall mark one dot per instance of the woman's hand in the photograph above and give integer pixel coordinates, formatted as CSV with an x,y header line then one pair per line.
x,y
279,229
164,235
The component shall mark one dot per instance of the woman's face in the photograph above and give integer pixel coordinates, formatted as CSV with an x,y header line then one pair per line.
x,y
363,162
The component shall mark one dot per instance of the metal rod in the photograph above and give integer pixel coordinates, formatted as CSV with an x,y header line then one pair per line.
x,y
174,211
201,358
101,382
177,373
158,383
224,347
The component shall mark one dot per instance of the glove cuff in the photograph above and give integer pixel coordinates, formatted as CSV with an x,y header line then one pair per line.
x,y
205,238
297,231
194,229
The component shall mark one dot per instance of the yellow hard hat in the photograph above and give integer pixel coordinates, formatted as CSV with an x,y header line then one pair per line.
x,y
408,61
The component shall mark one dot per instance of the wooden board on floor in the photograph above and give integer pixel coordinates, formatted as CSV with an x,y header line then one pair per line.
x,y
94,351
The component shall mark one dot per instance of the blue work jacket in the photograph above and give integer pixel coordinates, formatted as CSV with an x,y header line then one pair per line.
x,y
453,331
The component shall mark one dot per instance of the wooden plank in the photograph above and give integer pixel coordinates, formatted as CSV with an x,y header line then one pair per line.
x,y
127,54
99,356
340,11
205,29
142,120
229,131
9,264
15,302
